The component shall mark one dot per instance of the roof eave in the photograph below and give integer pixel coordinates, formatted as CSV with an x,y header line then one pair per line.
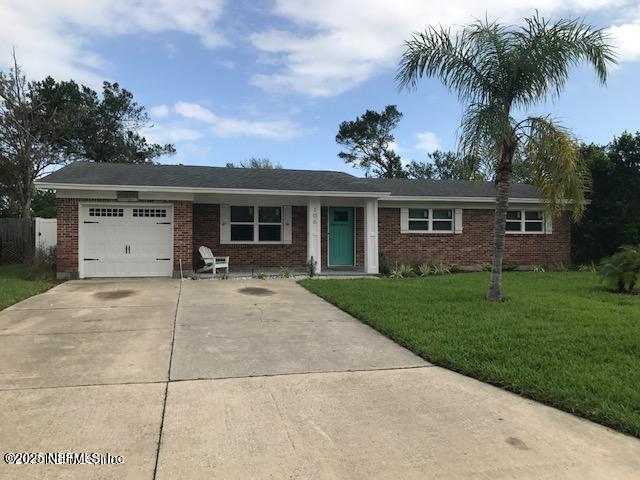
x,y
237,191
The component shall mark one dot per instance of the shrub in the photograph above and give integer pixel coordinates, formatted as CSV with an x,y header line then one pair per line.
x,y
383,264
261,276
424,269
622,269
311,267
590,267
401,271
508,266
441,269
285,272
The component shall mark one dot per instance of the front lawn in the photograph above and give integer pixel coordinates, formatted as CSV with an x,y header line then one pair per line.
x,y
559,338
18,282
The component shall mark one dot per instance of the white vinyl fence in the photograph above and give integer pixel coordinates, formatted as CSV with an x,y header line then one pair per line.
x,y
46,233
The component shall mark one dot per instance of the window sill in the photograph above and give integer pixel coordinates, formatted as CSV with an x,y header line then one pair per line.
x,y
525,233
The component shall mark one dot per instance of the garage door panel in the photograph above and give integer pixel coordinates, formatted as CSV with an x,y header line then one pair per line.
x,y
127,241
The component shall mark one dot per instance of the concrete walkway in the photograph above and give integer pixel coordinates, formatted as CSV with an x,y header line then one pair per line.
x,y
261,379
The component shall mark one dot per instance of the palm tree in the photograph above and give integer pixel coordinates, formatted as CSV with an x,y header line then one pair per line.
x,y
499,71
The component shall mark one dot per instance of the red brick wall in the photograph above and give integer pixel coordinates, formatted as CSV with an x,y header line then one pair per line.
x,y
182,235
206,219
474,245
67,247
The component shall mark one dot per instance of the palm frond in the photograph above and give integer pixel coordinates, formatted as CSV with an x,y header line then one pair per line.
x,y
464,61
544,52
482,130
557,168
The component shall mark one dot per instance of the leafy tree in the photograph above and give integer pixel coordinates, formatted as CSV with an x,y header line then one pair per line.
x,y
448,166
98,128
48,123
255,162
611,220
25,142
43,204
499,71
367,141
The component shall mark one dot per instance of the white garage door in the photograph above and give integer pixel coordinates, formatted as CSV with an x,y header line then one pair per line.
x,y
126,241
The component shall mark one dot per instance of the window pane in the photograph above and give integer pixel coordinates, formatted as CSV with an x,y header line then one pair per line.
x,y
418,225
533,215
418,213
443,214
269,214
241,233
514,215
533,227
513,226
442,225
269,233
242,214
340,216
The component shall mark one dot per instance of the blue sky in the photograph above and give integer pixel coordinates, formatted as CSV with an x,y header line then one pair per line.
x,y
228,80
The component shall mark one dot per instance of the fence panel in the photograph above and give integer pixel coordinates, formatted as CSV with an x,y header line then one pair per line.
x,y
46,234
17,240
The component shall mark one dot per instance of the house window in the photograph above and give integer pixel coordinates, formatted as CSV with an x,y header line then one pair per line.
x,y
106,212
525,221
150,212
256,224
430,220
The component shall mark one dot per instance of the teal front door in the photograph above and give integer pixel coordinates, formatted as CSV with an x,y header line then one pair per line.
x,y
340,236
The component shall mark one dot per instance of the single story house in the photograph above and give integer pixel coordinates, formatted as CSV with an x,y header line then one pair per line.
x,y
117,220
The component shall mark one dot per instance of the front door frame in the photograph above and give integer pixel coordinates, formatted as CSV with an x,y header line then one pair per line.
x,y
353,218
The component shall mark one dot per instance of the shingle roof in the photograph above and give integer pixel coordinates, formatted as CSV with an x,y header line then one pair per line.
x,y
187,176
448,188
148,175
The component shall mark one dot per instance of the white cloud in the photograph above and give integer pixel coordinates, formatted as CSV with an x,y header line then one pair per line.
x,y
626,37
278,129
170,133
55,37
427,142
346,43
159,111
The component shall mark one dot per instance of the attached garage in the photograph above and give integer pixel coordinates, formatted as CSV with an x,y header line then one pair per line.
x,y
117,240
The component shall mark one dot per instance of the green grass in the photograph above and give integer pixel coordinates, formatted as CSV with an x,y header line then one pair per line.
x,y
18,282
559,338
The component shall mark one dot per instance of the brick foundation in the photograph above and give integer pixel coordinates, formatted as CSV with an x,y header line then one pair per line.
x,y
474,245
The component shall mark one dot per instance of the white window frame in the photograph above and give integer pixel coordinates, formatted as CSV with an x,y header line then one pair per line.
x,y
523,221
256,225
430,220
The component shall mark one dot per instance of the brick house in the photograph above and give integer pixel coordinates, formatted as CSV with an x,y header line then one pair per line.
x,y
119,220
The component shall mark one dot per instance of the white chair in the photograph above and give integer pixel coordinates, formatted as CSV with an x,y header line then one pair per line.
x,y
212,263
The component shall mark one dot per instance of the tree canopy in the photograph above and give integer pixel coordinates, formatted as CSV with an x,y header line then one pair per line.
x,y
255,162
611,220
368,142
49,123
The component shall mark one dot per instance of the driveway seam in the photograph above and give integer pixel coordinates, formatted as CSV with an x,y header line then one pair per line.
x,y
82,333
166,388
204,379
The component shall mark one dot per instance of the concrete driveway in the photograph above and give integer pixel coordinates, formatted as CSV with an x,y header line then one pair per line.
x,y
261,379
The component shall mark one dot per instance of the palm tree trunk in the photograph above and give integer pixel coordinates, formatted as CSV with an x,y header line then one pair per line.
x,y
503,189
